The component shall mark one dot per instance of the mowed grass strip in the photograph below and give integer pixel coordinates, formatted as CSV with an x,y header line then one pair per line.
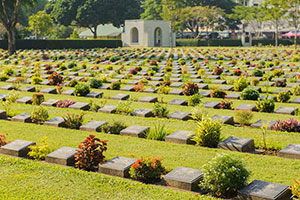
x,y
267,168
26,179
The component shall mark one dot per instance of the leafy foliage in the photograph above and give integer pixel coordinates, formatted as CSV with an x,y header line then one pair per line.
x,y
39,114
82,89
90,153
190,89
249,94
39,152
159,110
73,121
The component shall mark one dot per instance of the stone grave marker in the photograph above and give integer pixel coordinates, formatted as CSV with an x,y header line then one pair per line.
x,y
180,115
17,148
50,102
142,113
24,117
127,88
250,107
3,114
291,151
120,97
93,126
286,110
56,122
135,131
176,92
118,166
148,99
224,119
180,137
205,93
25,100
68,92
63,156
80,106
108,109
265,191
95,94
28,89
211,104
184,178
49,90
259,123
233,95
180,102
237,144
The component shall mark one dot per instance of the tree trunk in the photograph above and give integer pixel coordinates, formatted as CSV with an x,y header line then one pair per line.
x,y
11,41
95,32
276,35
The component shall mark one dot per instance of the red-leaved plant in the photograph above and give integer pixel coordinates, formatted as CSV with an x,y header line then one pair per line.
x,y
290,125
90,153
65,104
3,140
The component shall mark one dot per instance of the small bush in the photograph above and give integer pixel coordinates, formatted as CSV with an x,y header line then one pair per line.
x,y
280,83
39,114
218,71
163,89
266,105
296,189
159,132
194,100
65,104
139,87
283,97
240,84
37,98
290,125
224,175
115,85
90,153
254,82
4,77
296,90
39,152
95,83
225,104
115,128
198,113
73,121
243,117
147,170
81,89
72,83
160,110
258,73
3,140
249,94
95,107
190,89
36,80
55,79
124,107
208,133
217,93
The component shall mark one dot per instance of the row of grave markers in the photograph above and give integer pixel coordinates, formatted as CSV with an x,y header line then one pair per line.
x,y
181,177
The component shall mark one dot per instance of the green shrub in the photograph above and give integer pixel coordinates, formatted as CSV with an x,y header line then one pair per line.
x,y
198,113
37,98
95,106
36,80
95,83
160,110
55,79
224,175
249,94
254,82
147,170
266,105
243,117
240,84
39,152
194,100
258,73
159,132
39,114
208,133
73,121
283,97
296,90
181,61
4,77
115,85
8,71
124,107
190,89
115,128
81,89
218,93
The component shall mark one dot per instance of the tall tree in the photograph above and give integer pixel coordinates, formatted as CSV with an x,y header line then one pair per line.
x,y
251,16
41,24
91,13
293,10
274,11
152,10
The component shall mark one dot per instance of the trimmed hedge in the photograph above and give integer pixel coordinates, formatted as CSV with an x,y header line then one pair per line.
x,y
213,42
63,44
265,42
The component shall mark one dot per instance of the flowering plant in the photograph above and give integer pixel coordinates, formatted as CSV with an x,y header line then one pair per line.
x,y
296,189
148,170
65,104
3,140
290,125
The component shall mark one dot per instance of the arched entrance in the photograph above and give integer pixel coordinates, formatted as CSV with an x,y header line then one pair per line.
x,y
158,37
134,35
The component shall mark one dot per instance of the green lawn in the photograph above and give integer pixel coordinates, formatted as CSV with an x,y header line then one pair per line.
x,y
267,168
26,179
